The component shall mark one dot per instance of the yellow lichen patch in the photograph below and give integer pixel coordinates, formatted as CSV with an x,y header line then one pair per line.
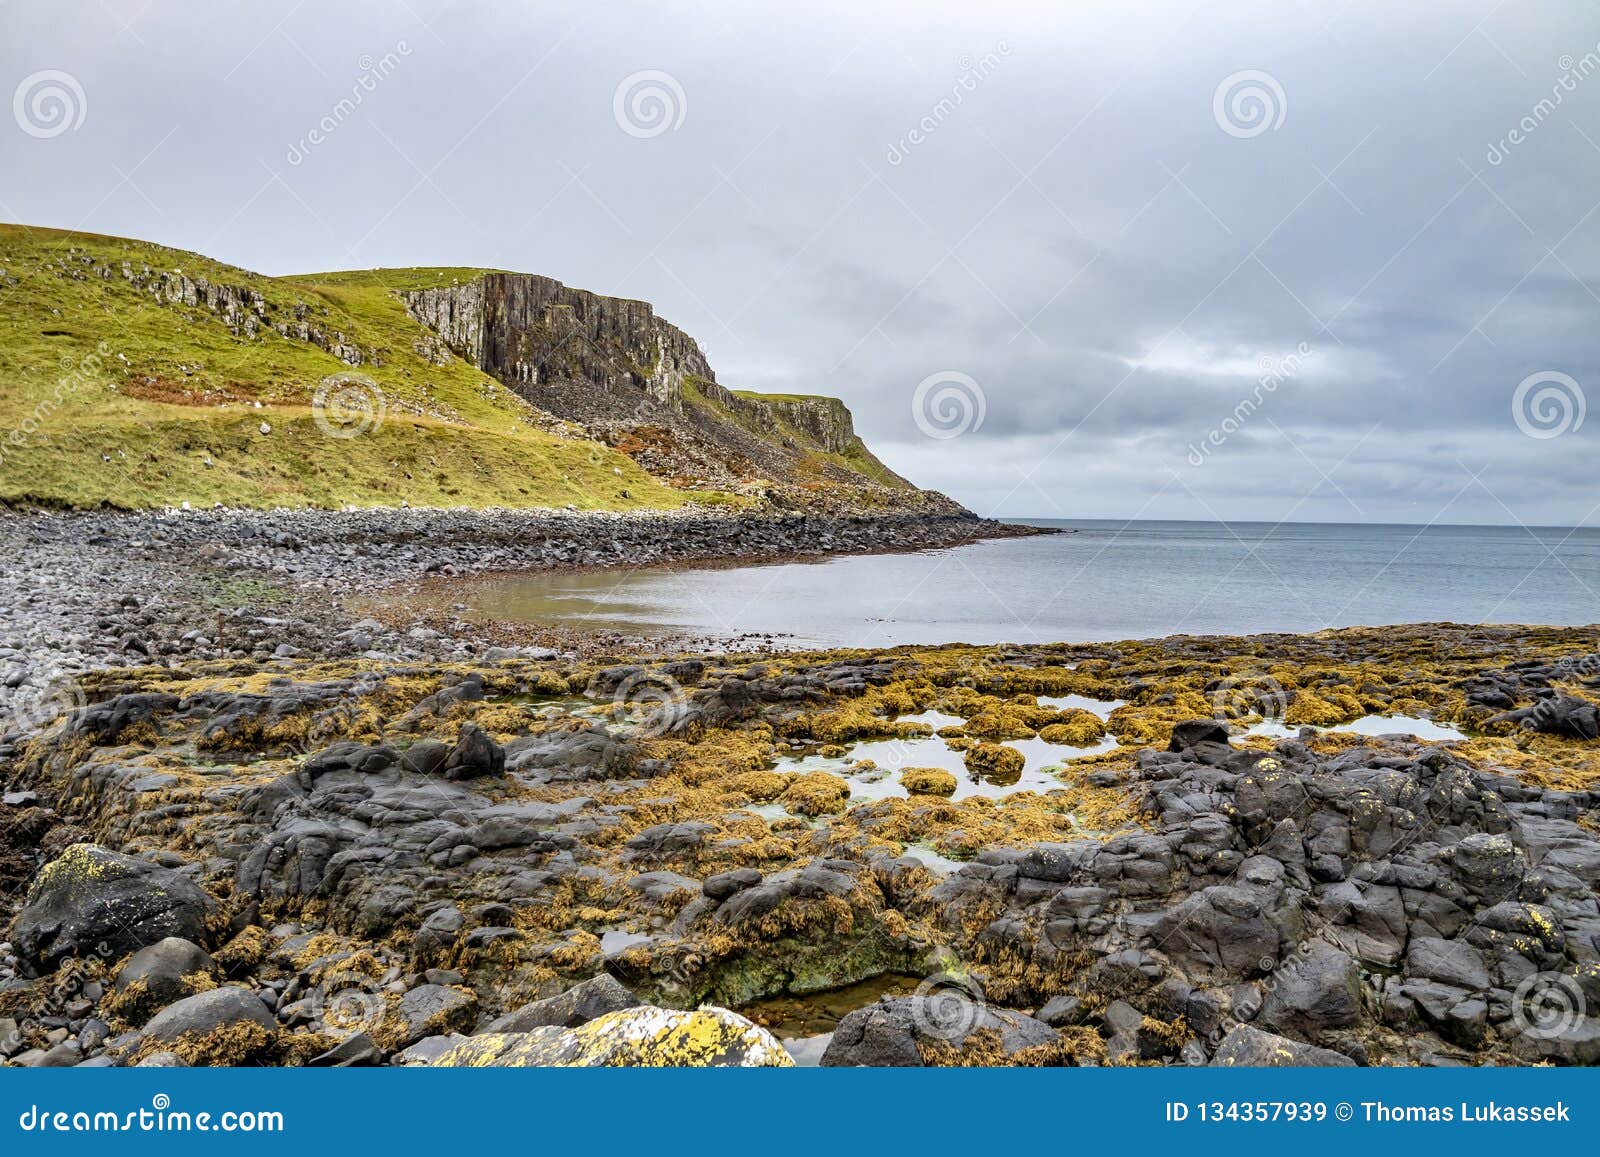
x,y
643,1037
928,781
815,793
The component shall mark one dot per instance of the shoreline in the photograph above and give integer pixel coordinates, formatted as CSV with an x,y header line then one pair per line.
x,y
97,589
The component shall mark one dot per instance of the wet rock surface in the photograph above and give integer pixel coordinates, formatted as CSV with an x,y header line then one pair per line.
x,y
355,861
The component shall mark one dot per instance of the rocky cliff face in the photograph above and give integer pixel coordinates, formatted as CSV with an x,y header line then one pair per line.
x,y
645,387
533,331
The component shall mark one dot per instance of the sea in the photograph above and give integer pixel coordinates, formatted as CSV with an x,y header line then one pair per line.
x,y
1097,580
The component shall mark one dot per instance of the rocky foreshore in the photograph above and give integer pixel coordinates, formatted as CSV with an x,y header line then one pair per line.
x,y
82,591
523,860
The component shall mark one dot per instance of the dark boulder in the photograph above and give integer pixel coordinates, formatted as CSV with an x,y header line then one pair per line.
x,y
580,1004
207,1012
475,755
95,901
1247,1047
945,1024
1193,732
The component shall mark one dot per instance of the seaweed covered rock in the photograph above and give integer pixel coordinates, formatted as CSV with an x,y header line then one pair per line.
x,y
645,1037
995,762
815,793
928,781
1076,728
93,900
160,974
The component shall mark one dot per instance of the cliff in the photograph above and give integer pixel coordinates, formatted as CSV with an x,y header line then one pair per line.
x,y
643,386
134,375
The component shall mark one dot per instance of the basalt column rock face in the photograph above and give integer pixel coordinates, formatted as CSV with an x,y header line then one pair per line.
x,y
534,331
646,388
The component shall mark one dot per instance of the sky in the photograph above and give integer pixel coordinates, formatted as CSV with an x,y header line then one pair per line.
x,y
1286,260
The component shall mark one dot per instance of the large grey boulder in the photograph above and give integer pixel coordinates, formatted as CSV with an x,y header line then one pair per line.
x,y
95,901
1247,1047
919,1030
161,973
207,1012
1314,993
581,1003
645,1037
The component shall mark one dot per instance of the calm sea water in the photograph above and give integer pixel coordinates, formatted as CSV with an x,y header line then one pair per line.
x,y
1102,580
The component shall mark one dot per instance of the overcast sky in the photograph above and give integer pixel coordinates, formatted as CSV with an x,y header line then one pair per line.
x,y
1252,260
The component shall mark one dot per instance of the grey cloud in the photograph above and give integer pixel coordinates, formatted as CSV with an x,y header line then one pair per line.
x,y
1077,223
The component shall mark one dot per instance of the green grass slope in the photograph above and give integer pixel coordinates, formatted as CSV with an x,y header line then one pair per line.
x,y
111,394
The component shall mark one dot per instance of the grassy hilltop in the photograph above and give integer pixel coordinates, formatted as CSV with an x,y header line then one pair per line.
x,y
134,375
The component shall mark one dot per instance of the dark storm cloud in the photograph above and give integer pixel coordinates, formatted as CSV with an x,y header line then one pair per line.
x,y
1331,305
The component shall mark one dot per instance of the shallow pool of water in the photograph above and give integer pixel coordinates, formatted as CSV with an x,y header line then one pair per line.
x,y
1368,725
805,1025
889,757
1100,707
614,940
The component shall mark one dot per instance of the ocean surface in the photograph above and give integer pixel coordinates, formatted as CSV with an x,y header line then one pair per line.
x,y
1101,580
